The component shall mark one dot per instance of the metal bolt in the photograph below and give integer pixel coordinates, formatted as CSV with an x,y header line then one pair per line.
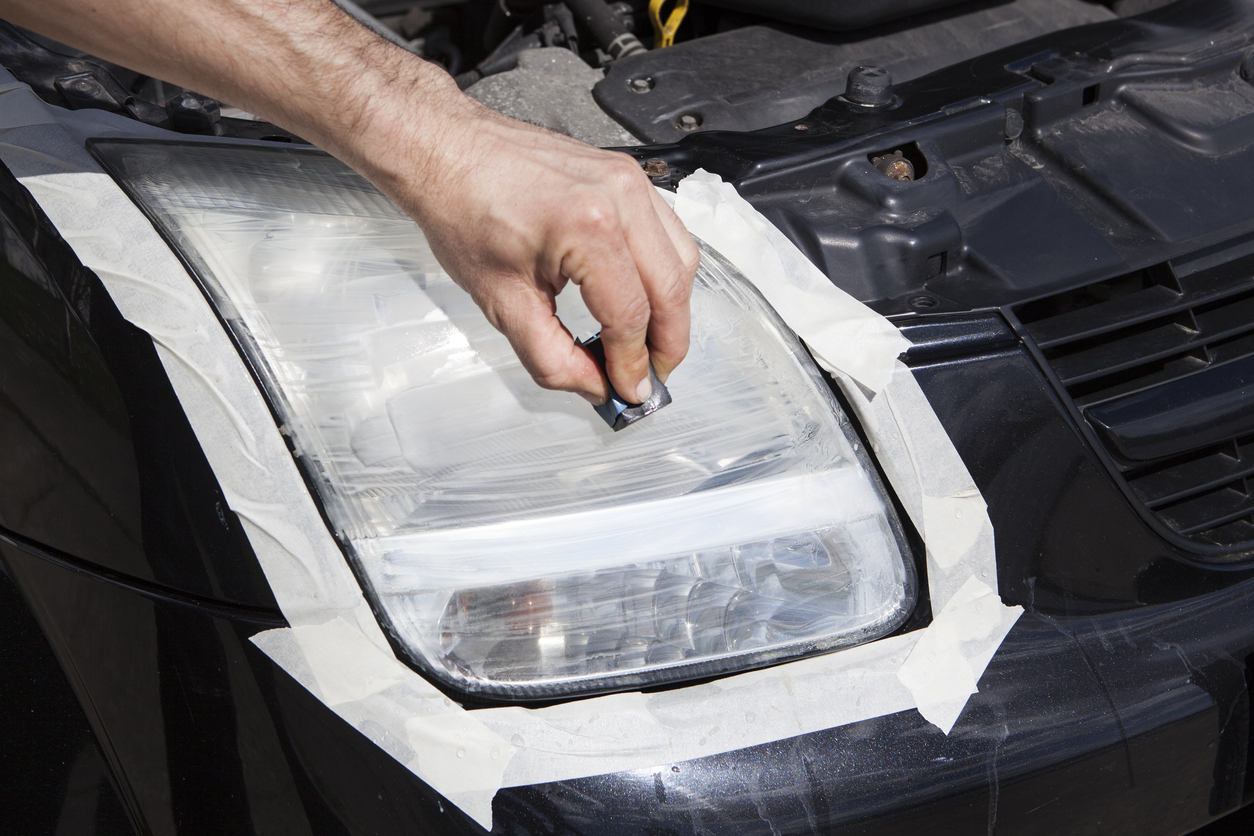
x,y
193,114
869,86
1014,124
640,85
688,122
894,165
923,302
657,168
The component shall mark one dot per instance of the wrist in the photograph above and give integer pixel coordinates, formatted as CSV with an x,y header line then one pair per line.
x,y
404,134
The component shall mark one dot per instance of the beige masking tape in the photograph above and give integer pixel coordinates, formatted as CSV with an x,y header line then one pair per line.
x,y
335,647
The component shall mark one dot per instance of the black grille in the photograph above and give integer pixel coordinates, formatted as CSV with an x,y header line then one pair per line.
x,y
1160,365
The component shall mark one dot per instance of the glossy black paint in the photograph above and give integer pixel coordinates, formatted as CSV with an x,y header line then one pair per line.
x,y
1205,408
97,458
1092,718
1118,703
52,776
1068,540
1122,722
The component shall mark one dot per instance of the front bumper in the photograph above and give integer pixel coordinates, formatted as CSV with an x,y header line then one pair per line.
x,y
1097,714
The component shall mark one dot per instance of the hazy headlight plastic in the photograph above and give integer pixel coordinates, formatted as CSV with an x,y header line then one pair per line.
x,y
513,542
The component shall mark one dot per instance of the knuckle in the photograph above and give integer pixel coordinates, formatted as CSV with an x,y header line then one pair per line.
x,y
676,292
633,314
625,171
679,350
554,378
597,216
550,381
691,257
672,343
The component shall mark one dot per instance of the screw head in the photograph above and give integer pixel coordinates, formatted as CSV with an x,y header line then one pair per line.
x,y
688,122
640,85
869,86
657,168
1014,124
923,302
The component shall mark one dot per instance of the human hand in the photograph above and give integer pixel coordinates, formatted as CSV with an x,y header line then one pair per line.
x,y
514,212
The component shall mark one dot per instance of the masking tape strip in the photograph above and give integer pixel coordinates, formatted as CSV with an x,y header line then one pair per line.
x,y
917,454
843,334
335,648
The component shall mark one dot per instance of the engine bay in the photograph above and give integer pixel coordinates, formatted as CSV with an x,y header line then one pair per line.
x,y
618,73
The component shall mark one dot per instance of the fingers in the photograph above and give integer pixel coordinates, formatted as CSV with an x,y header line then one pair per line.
x,y
546,349
667,259
541,210
635,266
601,264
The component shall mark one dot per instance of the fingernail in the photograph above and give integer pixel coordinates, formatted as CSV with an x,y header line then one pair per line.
x,y
644,390
590,398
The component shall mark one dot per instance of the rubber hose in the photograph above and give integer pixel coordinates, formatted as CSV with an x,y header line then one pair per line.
x,y
608,28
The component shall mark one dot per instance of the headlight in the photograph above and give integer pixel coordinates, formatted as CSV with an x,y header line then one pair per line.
x,y
511,541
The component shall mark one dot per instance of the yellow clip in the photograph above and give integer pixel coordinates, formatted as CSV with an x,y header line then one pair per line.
x,y
664,33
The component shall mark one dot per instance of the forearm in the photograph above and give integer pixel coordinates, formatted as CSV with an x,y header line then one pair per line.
x,y
303,65
512,212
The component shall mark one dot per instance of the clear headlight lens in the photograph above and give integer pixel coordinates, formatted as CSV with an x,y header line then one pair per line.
x,y
513,542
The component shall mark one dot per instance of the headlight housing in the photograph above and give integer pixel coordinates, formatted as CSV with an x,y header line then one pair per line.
x,y
513,544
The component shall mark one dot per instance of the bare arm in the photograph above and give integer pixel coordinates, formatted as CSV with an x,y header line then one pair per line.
x,y
513,212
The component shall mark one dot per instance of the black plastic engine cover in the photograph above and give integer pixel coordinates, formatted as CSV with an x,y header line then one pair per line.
x,y
759,76
1069,159
834,14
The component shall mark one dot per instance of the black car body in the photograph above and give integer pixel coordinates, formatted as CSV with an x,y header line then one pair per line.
x,y
1074,262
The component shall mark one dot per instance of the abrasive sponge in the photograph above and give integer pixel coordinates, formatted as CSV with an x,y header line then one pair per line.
x,y
617,411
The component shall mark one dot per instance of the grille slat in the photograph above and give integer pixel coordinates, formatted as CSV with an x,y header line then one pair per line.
x,y
1157,344
1190,477
1166,363
1130,310
1130,300
1209,510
